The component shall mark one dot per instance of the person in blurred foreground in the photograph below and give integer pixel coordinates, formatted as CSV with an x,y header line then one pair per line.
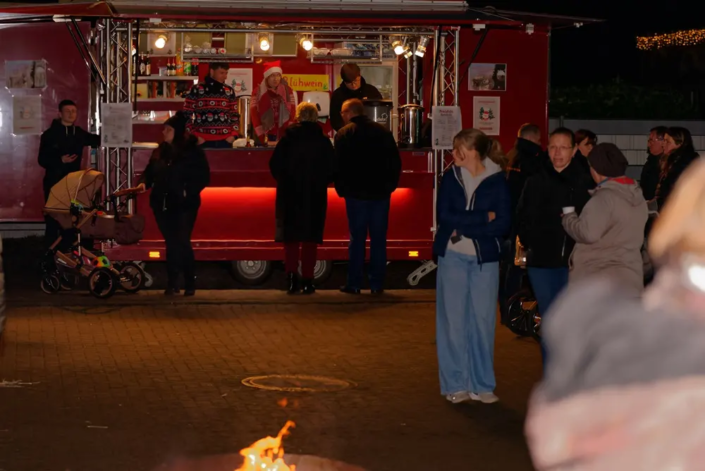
x,y
625,388
609,233
474,217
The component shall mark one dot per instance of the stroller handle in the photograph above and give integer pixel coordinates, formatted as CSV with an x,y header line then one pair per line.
x,y
126,192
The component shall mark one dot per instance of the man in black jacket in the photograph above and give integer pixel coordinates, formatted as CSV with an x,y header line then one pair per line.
x,y
60,153
651,171
353,86
527,160
561,184
368,172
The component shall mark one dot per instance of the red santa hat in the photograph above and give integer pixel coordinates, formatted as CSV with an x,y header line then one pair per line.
x,y
272,68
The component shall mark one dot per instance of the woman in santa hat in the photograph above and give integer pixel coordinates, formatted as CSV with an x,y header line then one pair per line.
x,y
274,105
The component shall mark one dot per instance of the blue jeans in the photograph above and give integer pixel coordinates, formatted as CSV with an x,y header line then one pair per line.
x,y
367,217
466,316
547,284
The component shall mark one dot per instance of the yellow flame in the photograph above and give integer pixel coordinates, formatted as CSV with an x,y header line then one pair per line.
x,y
267,454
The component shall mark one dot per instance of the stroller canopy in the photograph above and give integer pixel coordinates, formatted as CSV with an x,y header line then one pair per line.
x,y
80,187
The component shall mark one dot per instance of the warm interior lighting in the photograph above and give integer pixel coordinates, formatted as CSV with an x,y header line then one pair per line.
x,y
408,52
398,46
264,42
154,255
306,43
160,42
413,253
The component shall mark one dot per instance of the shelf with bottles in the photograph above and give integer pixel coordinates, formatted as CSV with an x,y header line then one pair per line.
x,y
147,78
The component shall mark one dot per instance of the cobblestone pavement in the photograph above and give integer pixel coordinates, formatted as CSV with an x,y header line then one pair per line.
x,y
115,386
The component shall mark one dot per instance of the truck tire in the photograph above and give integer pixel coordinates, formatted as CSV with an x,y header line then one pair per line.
x,y
252,272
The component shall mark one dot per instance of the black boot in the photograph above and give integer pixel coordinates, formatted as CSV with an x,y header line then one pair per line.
x,y
190,286
171,291
292,282
308,287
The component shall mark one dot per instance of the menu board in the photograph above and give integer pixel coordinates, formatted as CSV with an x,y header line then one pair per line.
x,y
447,122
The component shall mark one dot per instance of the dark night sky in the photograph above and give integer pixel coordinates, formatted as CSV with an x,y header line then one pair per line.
x,y
599,52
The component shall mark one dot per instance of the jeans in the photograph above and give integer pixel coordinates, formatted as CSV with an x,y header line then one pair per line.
x,y
547,284
466,316
176,229
308,258
367,216
222,144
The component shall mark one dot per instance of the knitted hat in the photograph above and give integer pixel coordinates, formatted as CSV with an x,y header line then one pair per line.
x,y
178,122
608,160
272,68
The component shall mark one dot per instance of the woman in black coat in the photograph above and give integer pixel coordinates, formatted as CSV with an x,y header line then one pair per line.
x,y
680,153
302,165
177,173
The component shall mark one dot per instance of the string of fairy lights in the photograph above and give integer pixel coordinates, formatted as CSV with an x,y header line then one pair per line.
x,y
690,37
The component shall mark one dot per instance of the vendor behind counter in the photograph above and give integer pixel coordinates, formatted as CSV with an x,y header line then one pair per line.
x,y
353,86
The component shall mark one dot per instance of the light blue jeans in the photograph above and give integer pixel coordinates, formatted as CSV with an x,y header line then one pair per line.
x,y
466,316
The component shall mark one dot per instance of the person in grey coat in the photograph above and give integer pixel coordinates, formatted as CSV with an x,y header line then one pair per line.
x,y
609,233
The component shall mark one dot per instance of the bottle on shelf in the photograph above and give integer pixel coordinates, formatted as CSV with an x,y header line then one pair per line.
x,y
148,67
179,67
187,67
169,68
194,66
143,65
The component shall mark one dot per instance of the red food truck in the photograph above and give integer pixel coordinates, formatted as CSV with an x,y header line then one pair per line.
x,y
492,64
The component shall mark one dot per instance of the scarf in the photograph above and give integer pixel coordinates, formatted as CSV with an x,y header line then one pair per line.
x,y
264,106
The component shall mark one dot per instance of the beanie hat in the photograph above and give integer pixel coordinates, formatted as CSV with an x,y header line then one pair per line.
x,y
178,122
272,68
608,160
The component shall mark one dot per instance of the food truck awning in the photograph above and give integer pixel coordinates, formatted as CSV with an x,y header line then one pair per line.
x,y
388,12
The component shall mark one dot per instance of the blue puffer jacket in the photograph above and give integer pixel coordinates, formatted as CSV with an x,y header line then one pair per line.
x,y
491,195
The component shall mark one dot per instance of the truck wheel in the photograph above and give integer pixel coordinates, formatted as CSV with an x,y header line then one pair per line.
x,y
252,272
322,271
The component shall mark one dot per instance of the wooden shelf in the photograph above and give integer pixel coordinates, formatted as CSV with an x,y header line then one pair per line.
x,y
219,57
166,78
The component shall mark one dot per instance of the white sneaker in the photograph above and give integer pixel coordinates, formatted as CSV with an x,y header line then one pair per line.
x,y
485,398
457,398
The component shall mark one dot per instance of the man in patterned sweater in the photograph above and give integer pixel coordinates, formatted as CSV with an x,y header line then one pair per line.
x,y
211,110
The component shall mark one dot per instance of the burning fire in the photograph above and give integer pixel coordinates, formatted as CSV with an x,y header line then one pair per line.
x,y
267,454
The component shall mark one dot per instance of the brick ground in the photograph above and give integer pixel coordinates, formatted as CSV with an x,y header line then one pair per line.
x,y
166,380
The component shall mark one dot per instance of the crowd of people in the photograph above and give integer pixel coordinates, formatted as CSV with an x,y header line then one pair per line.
x,y
571,210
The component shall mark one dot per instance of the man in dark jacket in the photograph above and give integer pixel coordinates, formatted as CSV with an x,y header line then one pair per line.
x,y
527,160
561,184
353,86
60,153
651,171
368,172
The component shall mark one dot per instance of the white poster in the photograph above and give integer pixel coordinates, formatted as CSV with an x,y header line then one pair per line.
x,y
25,74
241,81
447,122
486,115
26,115
117,124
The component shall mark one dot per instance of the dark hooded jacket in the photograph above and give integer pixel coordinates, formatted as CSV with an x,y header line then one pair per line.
x,y
343,94
60,140
302,164
177,175
528,161
678,161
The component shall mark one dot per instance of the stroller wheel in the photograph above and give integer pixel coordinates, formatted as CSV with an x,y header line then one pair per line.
x,y
132,277
523,315
102,283
50,284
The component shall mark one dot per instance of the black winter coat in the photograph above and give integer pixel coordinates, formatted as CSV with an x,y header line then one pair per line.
x,y
678,161
529,160
540,209
650,176
368,161
302,165
176,176
60,140
343,93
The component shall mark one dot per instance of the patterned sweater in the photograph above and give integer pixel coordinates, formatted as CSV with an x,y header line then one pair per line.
x,y
211,110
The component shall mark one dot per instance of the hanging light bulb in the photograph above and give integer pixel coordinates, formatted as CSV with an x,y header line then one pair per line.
x,y
408,52
160,42
306,43
264,42
421,48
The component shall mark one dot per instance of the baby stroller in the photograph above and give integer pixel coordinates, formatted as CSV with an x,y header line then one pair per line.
x,y
74,203
519,312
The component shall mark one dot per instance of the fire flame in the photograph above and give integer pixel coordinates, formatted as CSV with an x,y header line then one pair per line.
x,y
267,454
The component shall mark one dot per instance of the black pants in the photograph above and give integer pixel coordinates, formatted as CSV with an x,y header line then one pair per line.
x,y
177,228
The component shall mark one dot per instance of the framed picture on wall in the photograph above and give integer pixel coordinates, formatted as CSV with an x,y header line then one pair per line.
x,y
487,77
241,81
25,74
